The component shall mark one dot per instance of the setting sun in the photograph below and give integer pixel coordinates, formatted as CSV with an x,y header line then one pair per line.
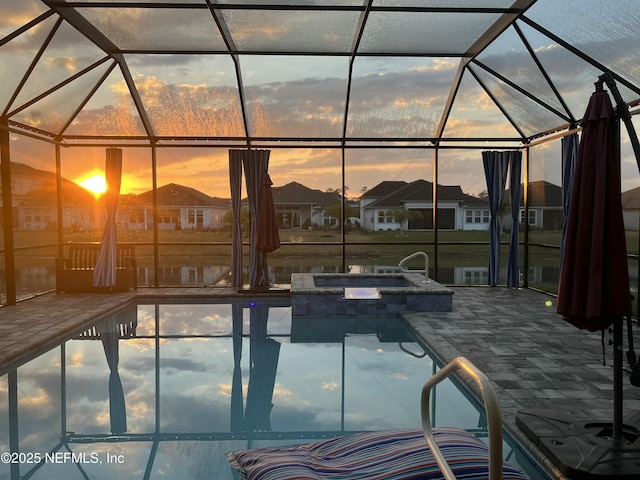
x,y
95,183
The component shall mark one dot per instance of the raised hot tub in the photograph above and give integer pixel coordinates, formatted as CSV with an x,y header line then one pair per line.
x,y
323,294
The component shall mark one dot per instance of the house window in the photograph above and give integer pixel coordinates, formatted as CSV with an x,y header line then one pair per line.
x,y
136,216
169,217
476,277
195,218
533,217
385,216
477,216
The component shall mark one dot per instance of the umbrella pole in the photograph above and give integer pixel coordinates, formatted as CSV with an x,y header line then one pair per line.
x,y
617,378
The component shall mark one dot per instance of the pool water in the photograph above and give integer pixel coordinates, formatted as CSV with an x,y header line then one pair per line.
x,y
182,384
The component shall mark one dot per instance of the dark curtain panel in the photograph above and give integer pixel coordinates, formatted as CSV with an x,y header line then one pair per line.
x,y
256,164
569,155
496,165
235,176
513,265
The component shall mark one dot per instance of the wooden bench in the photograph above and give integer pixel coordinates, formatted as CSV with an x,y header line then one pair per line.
x,y
74,273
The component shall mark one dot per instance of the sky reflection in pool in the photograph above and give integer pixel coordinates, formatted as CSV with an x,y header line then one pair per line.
x,y
200,380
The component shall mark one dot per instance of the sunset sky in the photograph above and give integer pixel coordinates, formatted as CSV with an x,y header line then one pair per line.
x,y
286,96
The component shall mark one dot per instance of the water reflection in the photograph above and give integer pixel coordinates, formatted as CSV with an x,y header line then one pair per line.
x,y
167,389
34,280
264,353
109,332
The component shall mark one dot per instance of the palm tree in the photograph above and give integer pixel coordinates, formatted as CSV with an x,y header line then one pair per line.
x,y
335,211
402,215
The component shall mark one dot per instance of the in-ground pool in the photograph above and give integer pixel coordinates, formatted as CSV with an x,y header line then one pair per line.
x,y
182,384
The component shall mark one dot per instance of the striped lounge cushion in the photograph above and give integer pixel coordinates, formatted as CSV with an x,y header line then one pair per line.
x,y
388,454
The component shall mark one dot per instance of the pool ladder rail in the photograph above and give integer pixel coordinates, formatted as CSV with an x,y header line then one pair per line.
x,y
492,408
405,260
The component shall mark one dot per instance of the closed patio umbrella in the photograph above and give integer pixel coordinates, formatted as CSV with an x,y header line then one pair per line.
x,y
593,291
593,294
268,235
594,277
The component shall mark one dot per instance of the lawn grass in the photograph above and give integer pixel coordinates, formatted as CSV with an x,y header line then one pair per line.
x,y
307,248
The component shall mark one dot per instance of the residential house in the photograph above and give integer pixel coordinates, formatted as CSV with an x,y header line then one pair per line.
x,y
179,207
35,202
298,206
35,205
380,205
545,208
80,208
545,205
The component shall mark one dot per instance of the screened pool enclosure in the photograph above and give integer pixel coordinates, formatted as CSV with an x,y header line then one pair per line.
x,y
376,114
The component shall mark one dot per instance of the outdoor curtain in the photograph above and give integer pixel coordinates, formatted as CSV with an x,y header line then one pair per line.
x,y
513,265
264,227
569,155
255,164
235,176
104,274
496,165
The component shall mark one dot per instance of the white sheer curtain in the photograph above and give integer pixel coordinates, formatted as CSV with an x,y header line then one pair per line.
x,y
104,274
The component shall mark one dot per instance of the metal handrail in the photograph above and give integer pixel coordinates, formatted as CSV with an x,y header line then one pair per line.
x,y
411,257
492,408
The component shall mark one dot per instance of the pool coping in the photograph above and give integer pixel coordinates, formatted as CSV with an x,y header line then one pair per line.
x,y
38,324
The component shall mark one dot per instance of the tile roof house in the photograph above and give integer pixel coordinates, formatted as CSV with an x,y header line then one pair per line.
x,y
180,207
298,206
34,199
35,203
545,205
456,210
